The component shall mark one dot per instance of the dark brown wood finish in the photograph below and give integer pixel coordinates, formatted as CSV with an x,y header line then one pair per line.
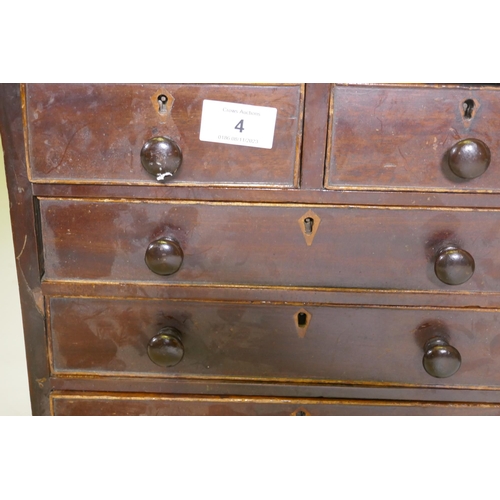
x,y
315,129
261,342
380,392
22,211
393,137
355,247
307,278
395,198
95,134
108,405
274,294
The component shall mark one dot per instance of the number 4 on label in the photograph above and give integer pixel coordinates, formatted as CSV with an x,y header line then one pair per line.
x,y
239,126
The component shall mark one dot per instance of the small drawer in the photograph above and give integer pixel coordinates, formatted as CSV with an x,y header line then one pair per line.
x,y
271,245
94,404
274,342
415,138
104,134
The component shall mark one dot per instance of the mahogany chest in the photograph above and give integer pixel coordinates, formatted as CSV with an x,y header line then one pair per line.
x,y
258,249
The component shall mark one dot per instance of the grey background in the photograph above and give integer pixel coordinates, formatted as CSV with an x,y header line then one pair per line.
x,y
14,391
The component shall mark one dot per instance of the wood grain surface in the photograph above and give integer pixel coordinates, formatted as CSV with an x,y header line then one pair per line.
x,y
264,342
399,137
94,134
108,405
354,247
278,315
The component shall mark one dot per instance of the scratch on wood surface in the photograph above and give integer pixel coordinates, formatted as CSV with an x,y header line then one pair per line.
x,y
41,381
403,156
36,293
65,150
24,246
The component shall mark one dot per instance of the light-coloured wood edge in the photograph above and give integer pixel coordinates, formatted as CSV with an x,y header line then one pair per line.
x,y
284,186
48,332
24,110
417,85
400,189
303,206
272,303
172,184
60,395
211,84
329,138
97,374
49,283
299,139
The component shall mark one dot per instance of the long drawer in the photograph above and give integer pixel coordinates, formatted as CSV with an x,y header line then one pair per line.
x,y
66,404
94,134
374,345
411,138
283,245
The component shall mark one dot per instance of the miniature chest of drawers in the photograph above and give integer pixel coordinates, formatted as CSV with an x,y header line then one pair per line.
x,y
294,249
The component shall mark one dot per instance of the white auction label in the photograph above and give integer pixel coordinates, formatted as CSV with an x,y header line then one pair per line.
x,y
238,124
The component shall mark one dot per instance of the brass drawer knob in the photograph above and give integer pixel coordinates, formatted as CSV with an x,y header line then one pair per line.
x,y
161,157
164,256
441,360
165,349
469,158
454,266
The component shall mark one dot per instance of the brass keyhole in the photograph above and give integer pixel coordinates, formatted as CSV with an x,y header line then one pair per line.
x,y
309,223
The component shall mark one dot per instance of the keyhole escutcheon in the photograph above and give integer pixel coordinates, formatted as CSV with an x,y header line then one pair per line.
x,y
302,321
163,101
309,223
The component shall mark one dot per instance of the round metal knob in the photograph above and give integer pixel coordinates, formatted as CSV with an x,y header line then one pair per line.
x,y
161,157
454,266
165,348
441,360
469,158
164,256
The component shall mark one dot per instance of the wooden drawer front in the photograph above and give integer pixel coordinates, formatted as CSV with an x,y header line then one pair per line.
x,y
107,405
357,247
399,137
95,133
265,342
